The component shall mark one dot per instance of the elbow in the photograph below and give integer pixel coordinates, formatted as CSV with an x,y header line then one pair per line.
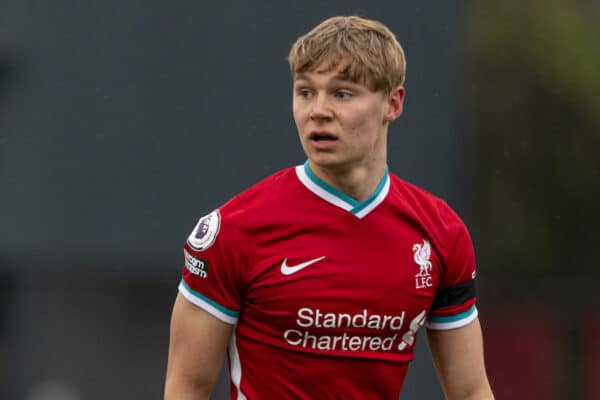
x,y
479,393
181,389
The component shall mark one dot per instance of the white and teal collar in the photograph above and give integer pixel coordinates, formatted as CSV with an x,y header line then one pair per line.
x,y
342,200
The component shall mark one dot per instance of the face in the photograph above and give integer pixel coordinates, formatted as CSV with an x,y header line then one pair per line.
x,y
343,124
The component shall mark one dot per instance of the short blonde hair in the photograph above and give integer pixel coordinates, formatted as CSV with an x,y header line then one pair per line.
x,y
367,51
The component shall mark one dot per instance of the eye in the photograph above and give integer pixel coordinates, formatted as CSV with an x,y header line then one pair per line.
x,y
304,93
343,95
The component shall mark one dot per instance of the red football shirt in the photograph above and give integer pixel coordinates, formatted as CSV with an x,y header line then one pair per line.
x,y
327,293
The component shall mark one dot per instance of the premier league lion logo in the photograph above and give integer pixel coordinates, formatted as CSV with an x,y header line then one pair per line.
x,y
205,232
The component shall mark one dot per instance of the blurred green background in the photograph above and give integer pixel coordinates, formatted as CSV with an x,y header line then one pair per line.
x,y
535,141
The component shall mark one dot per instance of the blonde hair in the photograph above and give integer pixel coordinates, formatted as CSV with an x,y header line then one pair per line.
x,y
366,50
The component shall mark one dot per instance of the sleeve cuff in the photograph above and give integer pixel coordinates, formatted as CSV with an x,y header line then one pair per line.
x,y
218,311
452,321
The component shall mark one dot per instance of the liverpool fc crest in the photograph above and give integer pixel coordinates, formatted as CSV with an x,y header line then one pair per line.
x,y
422,255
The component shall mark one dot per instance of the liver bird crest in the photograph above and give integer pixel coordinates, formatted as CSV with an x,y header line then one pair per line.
x,y
422,255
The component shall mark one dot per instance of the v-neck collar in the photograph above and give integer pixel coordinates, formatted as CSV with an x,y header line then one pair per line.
x,y
339,199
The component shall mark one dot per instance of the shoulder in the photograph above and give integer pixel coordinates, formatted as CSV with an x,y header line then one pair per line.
x,y
432,214
421,201
232,220
411,191
263,193
263,199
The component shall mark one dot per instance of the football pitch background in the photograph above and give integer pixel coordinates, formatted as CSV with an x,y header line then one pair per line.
x,y
121,123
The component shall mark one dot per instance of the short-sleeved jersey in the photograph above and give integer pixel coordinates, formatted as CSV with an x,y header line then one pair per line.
x,y
327,293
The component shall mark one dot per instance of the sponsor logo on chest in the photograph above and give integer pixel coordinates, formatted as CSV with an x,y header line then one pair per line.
x,y
353,332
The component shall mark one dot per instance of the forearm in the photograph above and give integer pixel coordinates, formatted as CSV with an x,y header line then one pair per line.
x,y
488,396
483,393
473,385
458,358
178,389
196,350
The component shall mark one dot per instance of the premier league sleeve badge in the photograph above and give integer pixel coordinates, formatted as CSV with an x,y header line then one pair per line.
x,y
205,232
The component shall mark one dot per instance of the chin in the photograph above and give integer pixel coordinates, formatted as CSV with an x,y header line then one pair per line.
x,y
326,161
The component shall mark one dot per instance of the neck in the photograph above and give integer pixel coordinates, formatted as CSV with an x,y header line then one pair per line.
x,y
358,183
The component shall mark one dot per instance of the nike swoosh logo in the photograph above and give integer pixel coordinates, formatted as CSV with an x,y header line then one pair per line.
x,y
292,269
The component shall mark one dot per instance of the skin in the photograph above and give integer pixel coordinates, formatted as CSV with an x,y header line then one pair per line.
x,y
354,119
458,358
343,129
196,349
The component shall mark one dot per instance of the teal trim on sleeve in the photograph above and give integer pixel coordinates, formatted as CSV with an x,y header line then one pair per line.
x,y
452,318
219,307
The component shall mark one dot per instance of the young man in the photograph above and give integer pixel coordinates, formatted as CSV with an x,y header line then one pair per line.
x,y
318,278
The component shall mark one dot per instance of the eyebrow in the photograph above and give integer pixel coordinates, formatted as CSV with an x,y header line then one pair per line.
x,y
338,77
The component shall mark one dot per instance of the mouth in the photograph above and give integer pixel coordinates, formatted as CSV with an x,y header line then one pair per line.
x,y
323,141
322,137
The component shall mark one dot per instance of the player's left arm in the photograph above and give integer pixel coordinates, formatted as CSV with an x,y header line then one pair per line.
x,y
458,358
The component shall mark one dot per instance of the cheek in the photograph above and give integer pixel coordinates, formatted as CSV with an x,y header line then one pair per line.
x,y
360,123
372,118
299,114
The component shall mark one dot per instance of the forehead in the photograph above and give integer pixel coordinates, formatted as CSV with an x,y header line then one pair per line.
x,y
335,76
336,70
311,76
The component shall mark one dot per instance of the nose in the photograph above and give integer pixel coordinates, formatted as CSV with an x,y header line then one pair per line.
x,y
321,108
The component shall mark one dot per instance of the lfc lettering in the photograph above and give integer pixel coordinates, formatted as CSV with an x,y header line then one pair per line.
x,y
423,281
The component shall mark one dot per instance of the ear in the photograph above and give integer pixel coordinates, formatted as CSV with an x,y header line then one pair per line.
x,y
395,104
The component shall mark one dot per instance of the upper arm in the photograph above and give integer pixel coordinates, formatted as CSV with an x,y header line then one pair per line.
x,y
458,357
197,345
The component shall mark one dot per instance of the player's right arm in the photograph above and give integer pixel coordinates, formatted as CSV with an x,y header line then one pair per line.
x,y
197,346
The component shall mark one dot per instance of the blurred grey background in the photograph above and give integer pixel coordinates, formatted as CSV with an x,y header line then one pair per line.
x,y
121,123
